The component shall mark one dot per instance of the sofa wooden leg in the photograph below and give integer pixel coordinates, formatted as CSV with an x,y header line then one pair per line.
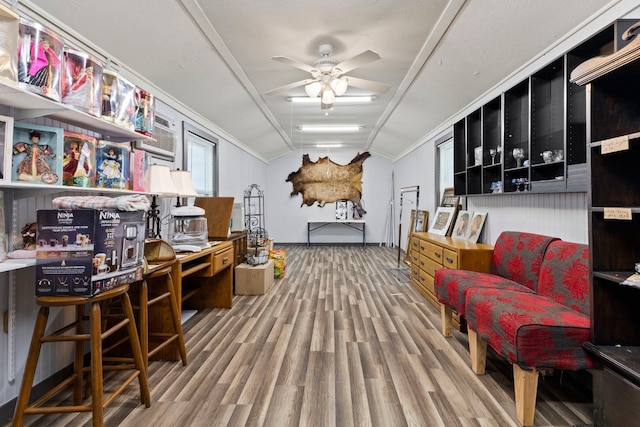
x,y
525,387
446,313
478,352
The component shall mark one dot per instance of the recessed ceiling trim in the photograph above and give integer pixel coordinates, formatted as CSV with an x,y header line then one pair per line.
x,y
200,19
444,22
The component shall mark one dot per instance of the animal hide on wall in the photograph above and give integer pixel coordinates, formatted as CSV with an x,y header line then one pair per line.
x,y
325,181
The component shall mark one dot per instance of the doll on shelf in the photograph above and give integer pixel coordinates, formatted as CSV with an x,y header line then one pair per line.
x,y
109,174
82,91
42,62
34,165
70,160
28,247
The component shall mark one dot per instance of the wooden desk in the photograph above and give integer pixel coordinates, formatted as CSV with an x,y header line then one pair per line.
x,y
202,280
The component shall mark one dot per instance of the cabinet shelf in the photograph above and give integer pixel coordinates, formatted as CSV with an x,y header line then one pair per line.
x,y
21,190
30,105
622,358
616,277
12,264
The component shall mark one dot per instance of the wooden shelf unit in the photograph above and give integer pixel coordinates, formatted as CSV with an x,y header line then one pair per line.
x,y
544,112
613,127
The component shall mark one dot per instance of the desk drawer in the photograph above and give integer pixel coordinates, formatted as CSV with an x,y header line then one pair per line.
x,y
222,260
215,262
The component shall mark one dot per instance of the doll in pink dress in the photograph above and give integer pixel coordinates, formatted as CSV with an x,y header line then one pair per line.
x,y
42,61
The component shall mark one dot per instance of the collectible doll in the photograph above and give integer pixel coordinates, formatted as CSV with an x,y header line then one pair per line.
x,y
109,173
82,92
34,165
43,59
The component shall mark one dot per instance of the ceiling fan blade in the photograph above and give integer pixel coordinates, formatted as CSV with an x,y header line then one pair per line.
x,y
357,61
290,86
294,63
368,84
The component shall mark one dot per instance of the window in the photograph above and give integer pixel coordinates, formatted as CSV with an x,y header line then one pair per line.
x,y
201,159
445,166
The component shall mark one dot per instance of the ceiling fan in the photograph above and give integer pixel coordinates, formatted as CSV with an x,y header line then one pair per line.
x,y
327,79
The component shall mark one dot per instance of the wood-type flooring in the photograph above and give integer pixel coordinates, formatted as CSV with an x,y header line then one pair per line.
x,y
343,339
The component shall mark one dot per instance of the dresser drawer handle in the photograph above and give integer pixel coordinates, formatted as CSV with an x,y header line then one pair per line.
x,y
449,260
225,260
437,255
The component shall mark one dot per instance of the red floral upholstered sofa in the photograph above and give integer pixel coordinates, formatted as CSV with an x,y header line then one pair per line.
x,y
539,326
515,266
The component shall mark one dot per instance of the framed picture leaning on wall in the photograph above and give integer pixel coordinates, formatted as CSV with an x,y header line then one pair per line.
x,y
417,222
475,227
442,220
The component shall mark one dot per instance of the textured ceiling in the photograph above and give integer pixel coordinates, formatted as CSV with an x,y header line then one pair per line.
x,y
214,58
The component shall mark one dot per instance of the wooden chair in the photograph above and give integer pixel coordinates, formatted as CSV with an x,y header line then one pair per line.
x,y
96,336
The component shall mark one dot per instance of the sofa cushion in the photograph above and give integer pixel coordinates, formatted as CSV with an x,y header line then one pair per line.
x,y
564,275
518,255
451,285
528,329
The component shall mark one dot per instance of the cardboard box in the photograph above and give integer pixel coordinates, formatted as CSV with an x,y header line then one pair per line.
x,y
86,251
254,280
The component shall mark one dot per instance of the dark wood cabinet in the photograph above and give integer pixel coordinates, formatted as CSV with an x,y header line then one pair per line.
x,y
539,125
613,135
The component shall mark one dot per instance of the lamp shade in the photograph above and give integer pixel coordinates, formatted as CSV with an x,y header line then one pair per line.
x,y
339,86
183,183
313,89
160,181
328,96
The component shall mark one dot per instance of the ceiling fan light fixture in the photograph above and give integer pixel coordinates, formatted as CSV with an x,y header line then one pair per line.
x,y
328,96
339,86
328,128
313,89
341,100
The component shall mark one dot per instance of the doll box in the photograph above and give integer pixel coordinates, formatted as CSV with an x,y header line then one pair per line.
x,y
9,24
81,83
6,142
78,160
37,154
40,59
87,251
112,165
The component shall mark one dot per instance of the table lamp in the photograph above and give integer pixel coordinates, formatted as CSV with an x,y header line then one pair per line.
x,y
160,184
187,226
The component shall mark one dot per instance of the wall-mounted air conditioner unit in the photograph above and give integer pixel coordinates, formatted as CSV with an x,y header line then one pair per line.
x,y
164,133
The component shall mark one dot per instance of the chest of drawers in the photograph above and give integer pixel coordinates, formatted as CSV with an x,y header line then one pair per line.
x,y
430,252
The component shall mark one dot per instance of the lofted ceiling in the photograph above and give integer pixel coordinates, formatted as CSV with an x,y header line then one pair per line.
x,y
214,57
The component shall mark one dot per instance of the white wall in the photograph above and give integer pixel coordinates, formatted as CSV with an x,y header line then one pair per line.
x,y
286,220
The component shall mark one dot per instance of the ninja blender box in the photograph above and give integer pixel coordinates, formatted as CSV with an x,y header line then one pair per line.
x,y
88,251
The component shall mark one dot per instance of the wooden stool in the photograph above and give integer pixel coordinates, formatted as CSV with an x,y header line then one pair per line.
x,y
96,337
159,281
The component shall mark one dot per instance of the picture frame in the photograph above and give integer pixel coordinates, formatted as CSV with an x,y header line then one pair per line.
x,y
47,152
342,210
417,222
442,220
460,229
6,139
475,226
449,198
